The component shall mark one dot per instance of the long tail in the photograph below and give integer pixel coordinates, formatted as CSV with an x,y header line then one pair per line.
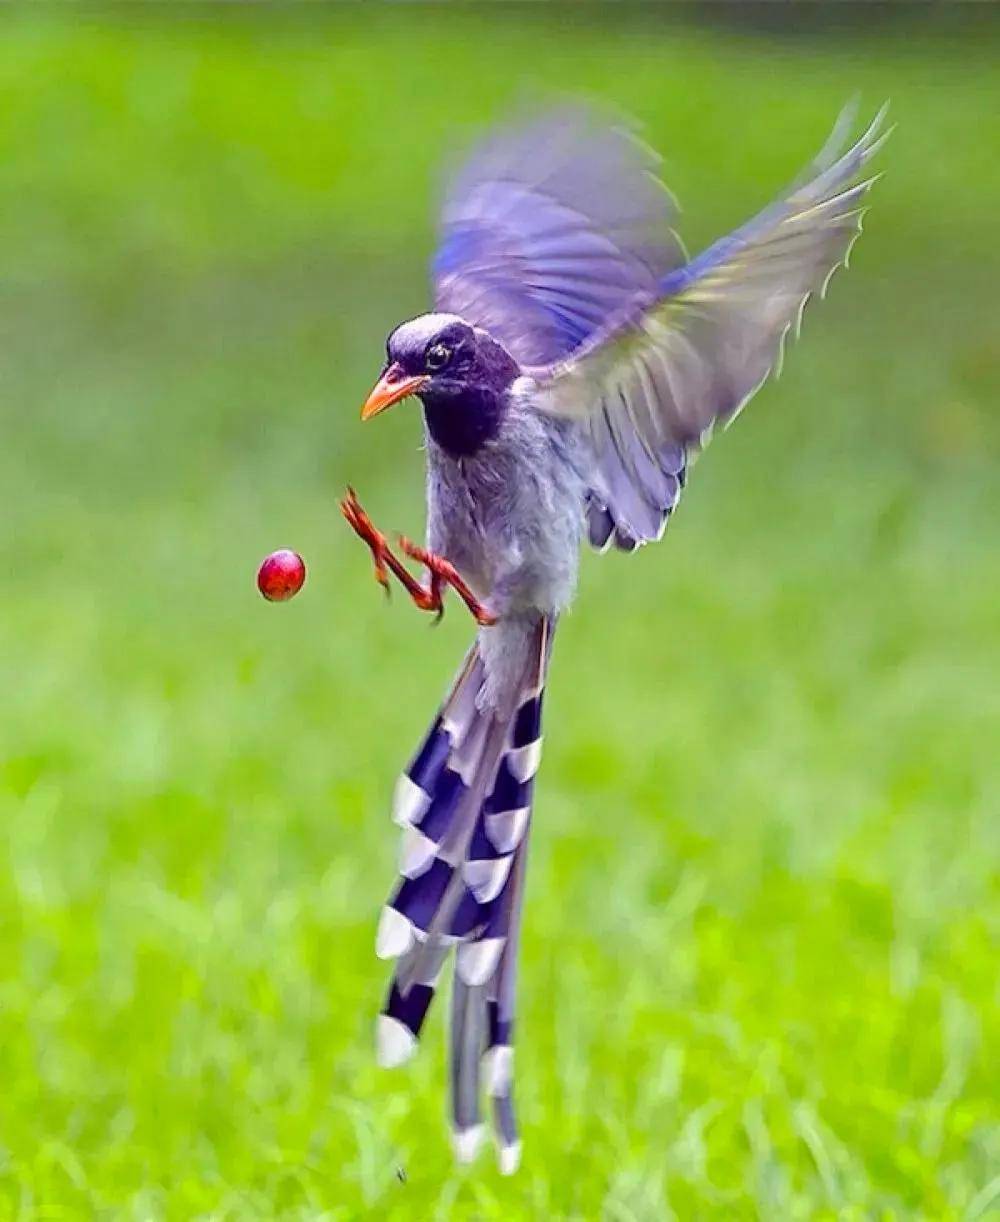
x,y
464,803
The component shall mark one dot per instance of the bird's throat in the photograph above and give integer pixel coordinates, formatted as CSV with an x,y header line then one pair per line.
x,y
462,424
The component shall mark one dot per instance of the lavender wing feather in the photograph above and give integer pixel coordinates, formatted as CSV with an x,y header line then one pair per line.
x,y
679,359
551,227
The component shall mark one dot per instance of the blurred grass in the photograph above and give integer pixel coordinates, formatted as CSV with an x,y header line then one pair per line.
x,y
760,966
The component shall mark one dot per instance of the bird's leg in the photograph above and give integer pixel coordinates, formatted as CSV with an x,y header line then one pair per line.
x,y
427,598
443,573
365,529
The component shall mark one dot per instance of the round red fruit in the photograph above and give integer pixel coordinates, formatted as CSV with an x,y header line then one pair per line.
x,y
281,576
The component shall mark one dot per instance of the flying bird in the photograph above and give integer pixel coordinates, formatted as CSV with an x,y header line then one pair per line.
x,y
575,364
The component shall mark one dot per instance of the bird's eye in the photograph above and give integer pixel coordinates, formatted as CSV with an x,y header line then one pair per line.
x,y
437,356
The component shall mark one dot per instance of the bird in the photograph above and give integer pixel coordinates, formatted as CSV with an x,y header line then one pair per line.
x,y
575,363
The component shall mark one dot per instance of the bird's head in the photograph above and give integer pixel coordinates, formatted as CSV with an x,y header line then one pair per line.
x,y
460,374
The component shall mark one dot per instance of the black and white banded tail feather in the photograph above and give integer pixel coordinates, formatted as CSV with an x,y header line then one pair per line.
x,y
464,803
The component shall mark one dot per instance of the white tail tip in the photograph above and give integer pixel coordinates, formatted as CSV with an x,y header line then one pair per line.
x,y
467,1142
505,828
486,876
509,1158
523,761
409,802
395,934
394,1042
498,1069
476,961
416,853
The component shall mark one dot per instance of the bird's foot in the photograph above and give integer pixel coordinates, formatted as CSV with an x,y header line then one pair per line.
x,y
444,573
366,530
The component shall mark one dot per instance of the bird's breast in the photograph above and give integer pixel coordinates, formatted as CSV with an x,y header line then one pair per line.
x,y
509,516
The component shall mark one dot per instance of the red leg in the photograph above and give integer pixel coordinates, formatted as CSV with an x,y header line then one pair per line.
x,y
386,562
444,573
365,529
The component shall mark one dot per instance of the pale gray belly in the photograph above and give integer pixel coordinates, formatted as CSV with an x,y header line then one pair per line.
x,y
509,519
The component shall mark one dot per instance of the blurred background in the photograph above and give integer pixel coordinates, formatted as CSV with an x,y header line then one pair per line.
x,y
771,775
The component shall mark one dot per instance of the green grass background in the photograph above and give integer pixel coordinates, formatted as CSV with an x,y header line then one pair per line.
x,y
760,964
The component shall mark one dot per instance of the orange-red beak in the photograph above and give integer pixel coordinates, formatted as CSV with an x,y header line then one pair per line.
x,y
392,386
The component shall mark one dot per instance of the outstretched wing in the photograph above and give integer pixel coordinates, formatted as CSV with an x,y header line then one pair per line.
x,y
677,360
551,227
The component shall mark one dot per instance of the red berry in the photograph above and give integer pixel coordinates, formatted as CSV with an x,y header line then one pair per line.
x,y
281,575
